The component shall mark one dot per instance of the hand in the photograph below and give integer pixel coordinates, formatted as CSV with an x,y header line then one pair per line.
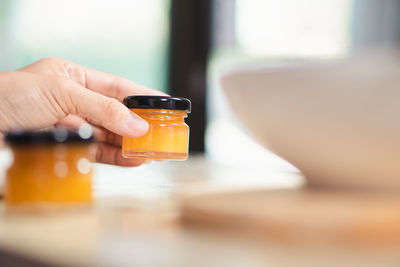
x,y
54,91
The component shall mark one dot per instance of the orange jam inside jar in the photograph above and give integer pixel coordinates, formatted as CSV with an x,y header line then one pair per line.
x,y
168,135
50,169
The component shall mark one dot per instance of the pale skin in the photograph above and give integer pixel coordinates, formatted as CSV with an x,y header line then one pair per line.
x,y
54,91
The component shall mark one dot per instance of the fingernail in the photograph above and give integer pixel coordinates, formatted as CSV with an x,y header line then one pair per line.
x,y
136,124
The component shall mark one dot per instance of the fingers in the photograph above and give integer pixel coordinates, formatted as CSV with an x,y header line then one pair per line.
x,y
100,134
114,86
72,121
100,110
109,154
108,147
97,81
105,136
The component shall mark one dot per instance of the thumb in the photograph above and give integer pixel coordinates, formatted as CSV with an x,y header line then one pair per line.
x,y
104,111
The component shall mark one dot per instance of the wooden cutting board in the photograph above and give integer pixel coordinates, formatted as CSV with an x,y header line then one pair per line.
x,y
300,215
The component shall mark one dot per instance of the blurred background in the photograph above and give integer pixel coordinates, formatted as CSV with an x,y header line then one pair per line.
x,y
181,47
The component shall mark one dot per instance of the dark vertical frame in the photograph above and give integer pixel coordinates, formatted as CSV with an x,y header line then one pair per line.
x,y
375,23
190,41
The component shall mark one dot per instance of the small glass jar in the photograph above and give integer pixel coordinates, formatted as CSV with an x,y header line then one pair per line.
x,y
50,169
168,135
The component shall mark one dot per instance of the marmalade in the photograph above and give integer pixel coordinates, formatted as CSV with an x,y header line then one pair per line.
x,y
168,135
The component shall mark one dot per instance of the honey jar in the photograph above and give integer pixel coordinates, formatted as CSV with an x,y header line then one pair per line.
x,y
168,135
49,169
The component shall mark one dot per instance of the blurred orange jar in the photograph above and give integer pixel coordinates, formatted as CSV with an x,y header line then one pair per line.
x,y
168,135
50,169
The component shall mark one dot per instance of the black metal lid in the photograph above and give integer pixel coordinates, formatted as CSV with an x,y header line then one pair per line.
x,y
158,102
56,136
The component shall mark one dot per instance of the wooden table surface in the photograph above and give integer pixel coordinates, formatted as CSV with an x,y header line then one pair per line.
x,y
135,221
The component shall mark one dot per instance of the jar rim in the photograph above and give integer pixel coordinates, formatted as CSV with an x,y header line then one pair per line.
x,y
158,102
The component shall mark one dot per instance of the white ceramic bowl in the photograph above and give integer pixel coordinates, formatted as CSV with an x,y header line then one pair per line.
x,y
337,121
